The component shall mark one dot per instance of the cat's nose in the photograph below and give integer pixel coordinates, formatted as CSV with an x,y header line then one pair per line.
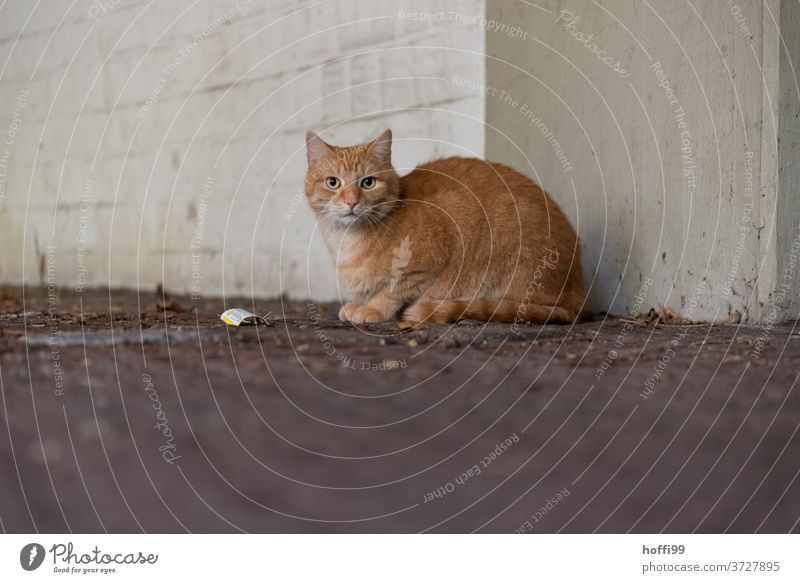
x,y
351,203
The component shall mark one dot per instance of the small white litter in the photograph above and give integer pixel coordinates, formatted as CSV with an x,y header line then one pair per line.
x,y
240,317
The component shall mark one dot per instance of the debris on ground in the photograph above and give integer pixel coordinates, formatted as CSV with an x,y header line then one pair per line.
x,y
241,317
165,302
313,425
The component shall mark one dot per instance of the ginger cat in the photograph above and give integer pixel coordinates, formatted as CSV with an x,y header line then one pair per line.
x,y
457,238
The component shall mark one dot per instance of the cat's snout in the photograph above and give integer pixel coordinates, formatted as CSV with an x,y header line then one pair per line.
x,y
349,206
349,211
349,202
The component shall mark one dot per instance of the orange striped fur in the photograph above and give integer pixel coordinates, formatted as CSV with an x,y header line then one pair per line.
x,y
458,238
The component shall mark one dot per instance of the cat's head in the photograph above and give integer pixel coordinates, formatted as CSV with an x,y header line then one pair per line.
x,y
352,185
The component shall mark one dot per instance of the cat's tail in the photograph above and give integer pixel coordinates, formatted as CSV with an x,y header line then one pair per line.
x,y
444,311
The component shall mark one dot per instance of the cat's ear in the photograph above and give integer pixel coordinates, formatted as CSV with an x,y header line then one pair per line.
x,y
381,147
316,149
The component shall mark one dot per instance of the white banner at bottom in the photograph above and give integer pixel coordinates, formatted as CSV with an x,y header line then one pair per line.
x,y
401,558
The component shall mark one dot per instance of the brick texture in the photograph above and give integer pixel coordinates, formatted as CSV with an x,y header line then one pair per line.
x,y
164,142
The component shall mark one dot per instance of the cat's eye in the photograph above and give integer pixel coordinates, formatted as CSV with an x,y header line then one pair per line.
x,y
332,182
367,183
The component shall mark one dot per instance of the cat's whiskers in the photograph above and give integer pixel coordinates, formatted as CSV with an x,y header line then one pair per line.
x,y
374,217
327,218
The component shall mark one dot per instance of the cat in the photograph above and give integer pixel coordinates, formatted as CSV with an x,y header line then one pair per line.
x,y
457,238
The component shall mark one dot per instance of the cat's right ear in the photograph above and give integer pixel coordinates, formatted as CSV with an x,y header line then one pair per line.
x,y
316,149
381,147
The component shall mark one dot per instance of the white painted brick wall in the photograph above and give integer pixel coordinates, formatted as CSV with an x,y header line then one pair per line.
x,y
656,196
234,106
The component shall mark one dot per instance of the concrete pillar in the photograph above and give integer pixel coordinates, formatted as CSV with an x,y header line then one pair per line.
x,y
669,132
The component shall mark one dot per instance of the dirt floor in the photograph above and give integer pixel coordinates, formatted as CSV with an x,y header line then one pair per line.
x,y
121,413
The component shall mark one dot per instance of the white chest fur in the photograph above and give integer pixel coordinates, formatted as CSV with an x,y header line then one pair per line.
x,y
341,244
354,273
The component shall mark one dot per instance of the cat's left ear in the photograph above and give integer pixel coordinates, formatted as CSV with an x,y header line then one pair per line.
x,y
381,147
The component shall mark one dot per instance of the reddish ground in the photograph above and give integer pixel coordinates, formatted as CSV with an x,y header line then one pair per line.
x,y
123,415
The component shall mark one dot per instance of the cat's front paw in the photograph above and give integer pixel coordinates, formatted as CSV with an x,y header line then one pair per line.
x,y
367,315
348,311
361,315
